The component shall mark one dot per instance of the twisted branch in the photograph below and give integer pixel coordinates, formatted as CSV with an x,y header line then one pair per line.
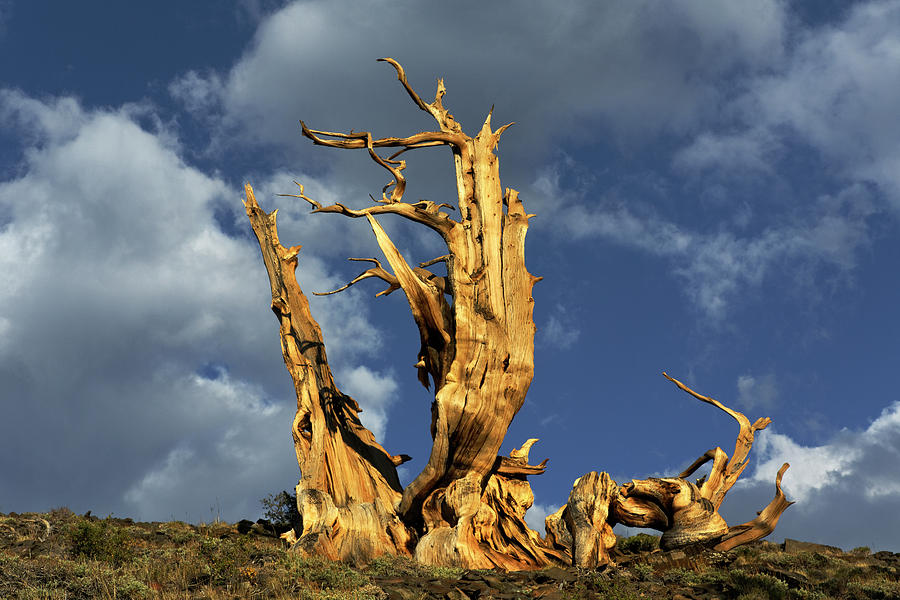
x,y
724,472
420,212
763,524
376,271
436,109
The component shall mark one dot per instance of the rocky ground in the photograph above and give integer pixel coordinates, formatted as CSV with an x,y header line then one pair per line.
x,y
63,555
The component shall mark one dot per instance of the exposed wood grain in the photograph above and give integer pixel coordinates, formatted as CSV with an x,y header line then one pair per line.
x,y
476,328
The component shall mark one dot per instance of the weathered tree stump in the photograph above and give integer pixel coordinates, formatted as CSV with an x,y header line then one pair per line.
x,y
476,329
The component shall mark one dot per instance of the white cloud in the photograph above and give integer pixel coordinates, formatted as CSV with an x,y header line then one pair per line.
x,y
229,453
714,267
836,92
117,289
757,391
197,93
635,67
812,468
753,150
849,483
536,515
851,458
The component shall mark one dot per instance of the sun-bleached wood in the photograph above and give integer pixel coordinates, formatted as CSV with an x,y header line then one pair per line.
x,y
349,484
686,512
476,330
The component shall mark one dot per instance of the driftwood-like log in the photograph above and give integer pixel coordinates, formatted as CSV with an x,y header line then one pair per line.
x,y
587,517
686,512
476,328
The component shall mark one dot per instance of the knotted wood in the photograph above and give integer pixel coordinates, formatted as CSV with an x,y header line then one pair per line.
x,y
476,328
349,486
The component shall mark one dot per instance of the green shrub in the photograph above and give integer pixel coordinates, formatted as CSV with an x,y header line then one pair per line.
x,y
758,585
129,587
322,573
224,559
100,541
641,542
679,576
389,565
366,592
643,571
874,589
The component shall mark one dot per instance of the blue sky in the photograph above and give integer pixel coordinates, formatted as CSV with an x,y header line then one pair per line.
x,y
717,191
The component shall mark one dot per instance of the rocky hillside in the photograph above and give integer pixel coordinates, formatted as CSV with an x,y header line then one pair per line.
x,y
63,555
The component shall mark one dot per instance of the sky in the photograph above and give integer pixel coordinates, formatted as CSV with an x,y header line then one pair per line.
x,y
717,190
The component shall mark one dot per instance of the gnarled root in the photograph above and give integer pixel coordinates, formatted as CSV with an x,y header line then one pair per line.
x,y
355,533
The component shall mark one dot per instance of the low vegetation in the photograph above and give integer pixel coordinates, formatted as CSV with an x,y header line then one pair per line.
x,y
66,556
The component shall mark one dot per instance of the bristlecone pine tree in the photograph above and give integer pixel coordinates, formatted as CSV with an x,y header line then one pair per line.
x,y
467,506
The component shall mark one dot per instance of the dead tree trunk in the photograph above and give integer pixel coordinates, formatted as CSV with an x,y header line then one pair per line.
x,y
349,486
477,349
687,513
476,329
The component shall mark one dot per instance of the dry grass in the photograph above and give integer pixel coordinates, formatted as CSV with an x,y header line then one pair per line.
x,y
91,558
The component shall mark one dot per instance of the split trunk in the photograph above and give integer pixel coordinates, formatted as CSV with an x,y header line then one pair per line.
x,y
476,330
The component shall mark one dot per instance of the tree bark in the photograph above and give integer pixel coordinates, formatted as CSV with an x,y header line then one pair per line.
x,y
686,512
349,486
476,329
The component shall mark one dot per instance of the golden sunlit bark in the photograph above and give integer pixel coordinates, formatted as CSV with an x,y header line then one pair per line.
x,y
476,330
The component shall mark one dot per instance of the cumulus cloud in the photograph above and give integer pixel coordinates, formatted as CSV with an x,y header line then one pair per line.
x,y
136,340
633,68
198,94
666,69
753,150
232,451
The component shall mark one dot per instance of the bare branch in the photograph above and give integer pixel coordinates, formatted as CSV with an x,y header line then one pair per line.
x,y
763,524
436,220
364,139
302,196
424,299
430,207
708,456
436,108
393,166
500,131
377,271
736,415
357,140
434,261
401,75
725,472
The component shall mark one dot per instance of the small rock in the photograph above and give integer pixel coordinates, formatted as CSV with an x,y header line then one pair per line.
x,y
558,574
795,546
244,526
493,581
457,594
401,593
437,587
